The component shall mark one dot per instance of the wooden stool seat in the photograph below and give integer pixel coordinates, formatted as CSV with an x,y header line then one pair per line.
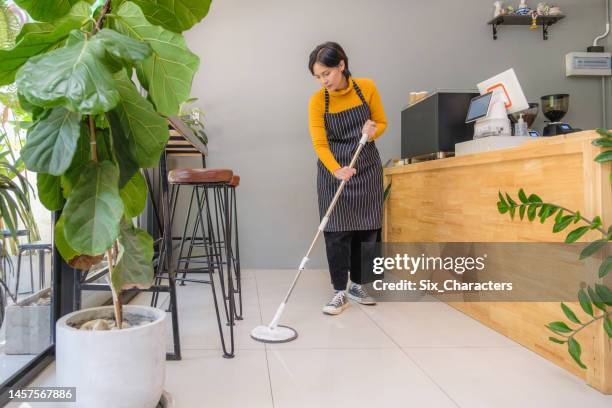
x,y
235,181
200,176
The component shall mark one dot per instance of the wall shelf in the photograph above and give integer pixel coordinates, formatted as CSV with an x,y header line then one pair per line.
x,y
514,19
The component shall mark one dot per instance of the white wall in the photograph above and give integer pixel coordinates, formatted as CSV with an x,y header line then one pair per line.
x,y
254,85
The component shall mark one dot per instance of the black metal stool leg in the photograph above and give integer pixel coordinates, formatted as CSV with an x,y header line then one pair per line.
x,y
227,239
18,274
193,239
168,258
41,269
31,272
184,236
160,266
213,239
223,234
210,255
228,231
225,201
174,193
236,251
174,313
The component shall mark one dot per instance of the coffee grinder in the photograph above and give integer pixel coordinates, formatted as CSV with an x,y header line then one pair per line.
x,y
554,107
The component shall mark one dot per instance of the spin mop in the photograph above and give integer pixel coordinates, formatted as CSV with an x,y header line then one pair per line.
x,y
275,333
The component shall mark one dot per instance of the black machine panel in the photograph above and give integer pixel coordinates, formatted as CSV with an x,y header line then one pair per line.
x,y
436,123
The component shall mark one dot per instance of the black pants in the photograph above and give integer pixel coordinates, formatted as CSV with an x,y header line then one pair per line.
x,y
344,255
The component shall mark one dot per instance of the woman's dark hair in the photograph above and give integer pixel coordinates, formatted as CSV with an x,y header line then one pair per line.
x,y
329,54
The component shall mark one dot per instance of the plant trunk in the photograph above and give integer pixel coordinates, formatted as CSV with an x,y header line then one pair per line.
x,y
116,296
111,259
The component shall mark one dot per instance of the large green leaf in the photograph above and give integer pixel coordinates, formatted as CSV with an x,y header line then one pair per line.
x,y
173,15
94,210
50,191
124,48
134,195
144,133
60,242
128,166
36,38
104,145
51,142
78,77
72,257
168,73
82,157
134,268
36,112
47,10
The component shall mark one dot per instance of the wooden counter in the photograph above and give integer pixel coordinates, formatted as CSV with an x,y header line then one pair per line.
x,y
454,200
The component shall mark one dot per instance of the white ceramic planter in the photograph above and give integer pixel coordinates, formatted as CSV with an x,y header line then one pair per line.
x,y
113,368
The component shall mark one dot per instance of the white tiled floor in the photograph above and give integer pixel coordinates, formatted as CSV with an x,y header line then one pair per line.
x,y
390,355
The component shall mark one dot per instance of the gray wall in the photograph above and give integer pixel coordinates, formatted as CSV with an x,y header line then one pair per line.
x,y
254,86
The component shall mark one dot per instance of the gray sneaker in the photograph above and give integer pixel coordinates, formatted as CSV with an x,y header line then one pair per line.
x,y
337,304
357,293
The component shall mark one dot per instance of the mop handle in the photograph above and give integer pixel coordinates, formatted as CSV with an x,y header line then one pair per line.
x,y
362,142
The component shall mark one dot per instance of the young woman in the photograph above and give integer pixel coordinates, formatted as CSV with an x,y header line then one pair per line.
x,y
339,113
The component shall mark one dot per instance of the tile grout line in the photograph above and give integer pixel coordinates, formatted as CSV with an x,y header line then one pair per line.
x,y
265,345
411,359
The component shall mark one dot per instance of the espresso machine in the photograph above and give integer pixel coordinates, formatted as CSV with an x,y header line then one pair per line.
x,y
554,107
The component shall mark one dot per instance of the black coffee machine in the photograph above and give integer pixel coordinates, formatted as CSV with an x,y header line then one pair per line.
x,y
554,107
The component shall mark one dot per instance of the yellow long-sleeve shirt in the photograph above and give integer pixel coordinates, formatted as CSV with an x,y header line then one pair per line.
x,y
338,102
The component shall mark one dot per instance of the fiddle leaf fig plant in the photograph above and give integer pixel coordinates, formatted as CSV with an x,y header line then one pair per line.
x,y
173,15
47,10
75,70
595,301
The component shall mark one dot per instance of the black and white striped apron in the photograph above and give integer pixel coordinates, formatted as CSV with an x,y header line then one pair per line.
x,y
360,204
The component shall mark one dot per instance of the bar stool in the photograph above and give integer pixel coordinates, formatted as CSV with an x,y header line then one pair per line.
x,y
6,264
201,247
219,243
41,248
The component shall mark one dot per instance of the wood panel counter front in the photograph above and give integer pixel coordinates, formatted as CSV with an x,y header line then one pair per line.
x,y
454,200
